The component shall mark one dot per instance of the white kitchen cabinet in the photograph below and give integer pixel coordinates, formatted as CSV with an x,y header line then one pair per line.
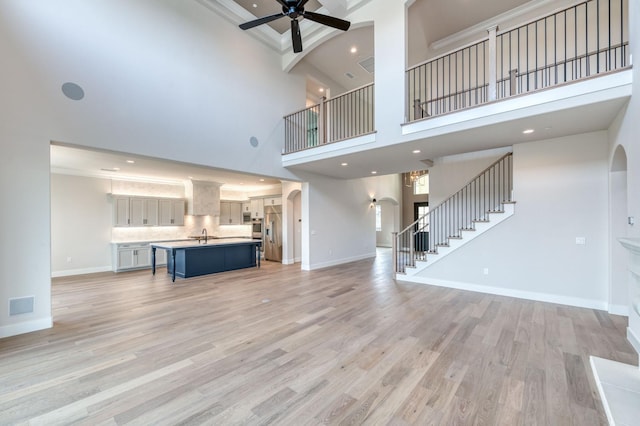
x,y
257,208
230,213
121,211
171,212
143,211
131,256
246,207
236,213
273,201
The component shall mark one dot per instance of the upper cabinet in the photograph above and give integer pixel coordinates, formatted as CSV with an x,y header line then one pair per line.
x,y
171,212
143,211
121,211
230,213
273,201
257,208
146,211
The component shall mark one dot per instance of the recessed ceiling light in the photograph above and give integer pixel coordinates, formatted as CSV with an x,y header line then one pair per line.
x,y
116,169
528,131
416,151
131,162
373,172
321,90
354,49
241,183
344,164
261,180
254,5
190,177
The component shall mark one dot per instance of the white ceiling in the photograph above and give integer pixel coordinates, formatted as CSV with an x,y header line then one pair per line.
x,y
66,159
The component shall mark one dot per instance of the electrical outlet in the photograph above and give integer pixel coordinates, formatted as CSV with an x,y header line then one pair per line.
x,y
69,259
485,271
581,241
330,252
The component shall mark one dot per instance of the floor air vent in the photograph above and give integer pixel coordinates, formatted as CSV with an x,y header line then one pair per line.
x,y
21,305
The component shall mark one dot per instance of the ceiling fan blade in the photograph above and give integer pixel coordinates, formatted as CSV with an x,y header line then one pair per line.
x,y
283,3
296,38
328,20
301,3
261,21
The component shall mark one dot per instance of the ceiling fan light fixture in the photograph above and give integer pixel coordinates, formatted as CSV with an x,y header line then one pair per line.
x,y
294,9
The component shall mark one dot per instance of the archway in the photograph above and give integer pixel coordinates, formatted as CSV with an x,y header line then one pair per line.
x,y
619,226
292,224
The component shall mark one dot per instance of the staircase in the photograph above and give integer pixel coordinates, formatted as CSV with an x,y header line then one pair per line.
x,y
480,205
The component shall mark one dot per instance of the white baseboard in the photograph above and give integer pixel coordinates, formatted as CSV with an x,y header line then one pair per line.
x,y
25,327
500,291
338,261
622,310
71,272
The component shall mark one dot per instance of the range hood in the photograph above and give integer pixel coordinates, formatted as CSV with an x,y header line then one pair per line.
x,y
203,198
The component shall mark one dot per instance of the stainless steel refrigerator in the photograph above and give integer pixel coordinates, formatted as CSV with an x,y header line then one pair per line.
x,y
273,233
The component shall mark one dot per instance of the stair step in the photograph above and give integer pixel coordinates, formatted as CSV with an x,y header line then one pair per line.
x,y
481,221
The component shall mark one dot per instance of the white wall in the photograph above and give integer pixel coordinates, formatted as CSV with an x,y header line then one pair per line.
x,y
561,190
25,261
81,223
160,78
451,173
341,224
624,132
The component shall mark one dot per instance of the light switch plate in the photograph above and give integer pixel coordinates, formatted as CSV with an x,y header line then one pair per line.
x,y
581,241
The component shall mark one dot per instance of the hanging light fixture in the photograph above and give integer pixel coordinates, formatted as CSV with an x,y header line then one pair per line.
x,y
410,178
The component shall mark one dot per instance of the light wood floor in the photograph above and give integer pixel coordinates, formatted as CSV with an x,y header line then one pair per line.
x,y
344,345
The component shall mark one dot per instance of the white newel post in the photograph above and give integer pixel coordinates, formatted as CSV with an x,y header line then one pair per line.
x,y
493,63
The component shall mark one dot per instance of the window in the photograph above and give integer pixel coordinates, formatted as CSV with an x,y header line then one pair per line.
x,y
421,185
378,218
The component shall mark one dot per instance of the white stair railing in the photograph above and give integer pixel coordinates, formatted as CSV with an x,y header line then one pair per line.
x,y
486,193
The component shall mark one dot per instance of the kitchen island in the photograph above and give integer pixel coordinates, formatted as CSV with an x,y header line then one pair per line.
x,y
192,258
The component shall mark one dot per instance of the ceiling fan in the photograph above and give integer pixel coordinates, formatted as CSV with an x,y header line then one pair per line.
x,y
295,9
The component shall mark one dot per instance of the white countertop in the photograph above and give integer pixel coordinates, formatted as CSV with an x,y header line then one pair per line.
x,y
210,242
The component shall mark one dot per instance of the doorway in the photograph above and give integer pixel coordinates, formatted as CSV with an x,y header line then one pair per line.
x,y
420,209
618,274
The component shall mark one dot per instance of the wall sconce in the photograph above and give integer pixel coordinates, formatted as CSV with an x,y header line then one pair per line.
x,y
373,203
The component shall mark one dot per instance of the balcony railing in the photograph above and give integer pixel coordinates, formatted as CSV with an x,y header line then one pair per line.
x,y
583,40
332,120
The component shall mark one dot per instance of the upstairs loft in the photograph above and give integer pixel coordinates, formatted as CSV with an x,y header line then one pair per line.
x,y
565,73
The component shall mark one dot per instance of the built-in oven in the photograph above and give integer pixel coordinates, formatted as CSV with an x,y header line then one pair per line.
x,y
256,228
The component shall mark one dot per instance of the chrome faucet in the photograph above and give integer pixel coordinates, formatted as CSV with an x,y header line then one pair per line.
x,y
204,232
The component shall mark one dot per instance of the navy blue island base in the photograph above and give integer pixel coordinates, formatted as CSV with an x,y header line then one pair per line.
x,y
187,259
